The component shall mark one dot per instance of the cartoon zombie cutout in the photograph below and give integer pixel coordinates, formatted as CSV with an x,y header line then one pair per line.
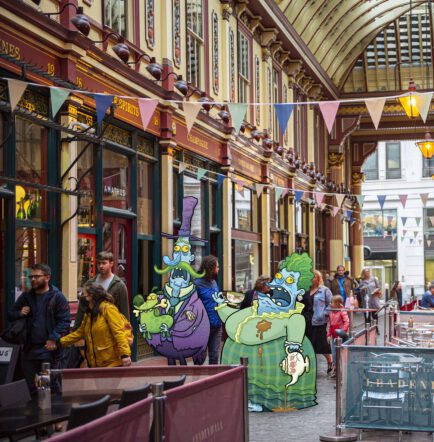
x,y
271,333
175,323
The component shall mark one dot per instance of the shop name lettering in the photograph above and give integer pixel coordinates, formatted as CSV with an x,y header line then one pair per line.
x,y
9,49
198,141
5,354
127,107
115,191
208,432
423,384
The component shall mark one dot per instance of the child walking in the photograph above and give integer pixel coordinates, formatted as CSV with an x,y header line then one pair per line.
x,y
337,320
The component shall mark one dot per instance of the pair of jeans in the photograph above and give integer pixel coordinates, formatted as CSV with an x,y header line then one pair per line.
x,y
214,341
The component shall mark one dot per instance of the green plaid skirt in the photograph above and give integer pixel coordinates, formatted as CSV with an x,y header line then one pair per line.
x,y
266,378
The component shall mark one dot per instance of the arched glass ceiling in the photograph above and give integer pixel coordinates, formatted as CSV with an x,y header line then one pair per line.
x,y
338,31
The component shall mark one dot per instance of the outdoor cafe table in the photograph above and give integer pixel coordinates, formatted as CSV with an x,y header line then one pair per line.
x,y
27,417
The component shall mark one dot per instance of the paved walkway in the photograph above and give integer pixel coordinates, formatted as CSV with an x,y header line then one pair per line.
x,y
308,424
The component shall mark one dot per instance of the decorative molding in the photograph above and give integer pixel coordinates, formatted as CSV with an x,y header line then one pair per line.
x,y
227,11
257,90
176,20
232,61
335,159
294,67
358,178
150,23
215,52
268,36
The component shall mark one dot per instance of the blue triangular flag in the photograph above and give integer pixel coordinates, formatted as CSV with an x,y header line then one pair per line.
x,y
403,220
349,213
102,102
381,200
298,195
220,179
283,113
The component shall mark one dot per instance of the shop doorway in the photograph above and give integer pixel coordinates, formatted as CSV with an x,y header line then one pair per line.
x,y
117,239
2,262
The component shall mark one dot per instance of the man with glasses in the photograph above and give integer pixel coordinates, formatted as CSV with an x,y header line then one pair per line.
x,y
48,318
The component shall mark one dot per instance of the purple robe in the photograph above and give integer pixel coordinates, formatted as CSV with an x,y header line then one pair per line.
x,y
187,338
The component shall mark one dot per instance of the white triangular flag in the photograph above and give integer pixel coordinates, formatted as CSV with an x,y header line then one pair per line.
x,y
259,189
191,110
375,108
182,166
16,91
423,104
340,198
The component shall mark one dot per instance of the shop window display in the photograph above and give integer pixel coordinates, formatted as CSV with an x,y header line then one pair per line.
x,y
85,176
31,166
31,248
115,180
144,198
246,264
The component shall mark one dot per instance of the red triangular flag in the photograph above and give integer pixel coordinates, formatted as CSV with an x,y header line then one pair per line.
x,y
147,109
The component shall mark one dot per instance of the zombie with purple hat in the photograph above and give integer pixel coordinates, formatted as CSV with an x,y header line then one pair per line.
x,y
176,323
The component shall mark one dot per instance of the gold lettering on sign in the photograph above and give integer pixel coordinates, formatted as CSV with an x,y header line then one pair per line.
x,y
9,49
126,106
50,69
79,81
197,141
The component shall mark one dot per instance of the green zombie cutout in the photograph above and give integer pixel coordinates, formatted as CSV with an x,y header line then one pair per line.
x,y
271,333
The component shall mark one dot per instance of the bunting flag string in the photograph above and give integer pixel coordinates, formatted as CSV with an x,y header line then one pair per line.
x,y
282,111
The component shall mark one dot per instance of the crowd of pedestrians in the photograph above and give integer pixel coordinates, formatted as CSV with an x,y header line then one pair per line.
x,y
104,333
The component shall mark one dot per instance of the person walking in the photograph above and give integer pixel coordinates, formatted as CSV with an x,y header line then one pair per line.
x,y
104,330
396,293
316,302
48,318
111,283
428,297
341,284
206,287
338,320
251,295
366,286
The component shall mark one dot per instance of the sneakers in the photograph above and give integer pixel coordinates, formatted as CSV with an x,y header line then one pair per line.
x,y
330,367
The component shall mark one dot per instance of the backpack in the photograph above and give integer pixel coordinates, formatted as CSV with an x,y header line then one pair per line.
x,y
128,330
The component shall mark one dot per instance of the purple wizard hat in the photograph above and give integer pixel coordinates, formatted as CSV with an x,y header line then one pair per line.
x,y
189,203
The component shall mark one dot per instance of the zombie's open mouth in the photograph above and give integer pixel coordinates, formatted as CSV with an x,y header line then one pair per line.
x,y
179,273
280,296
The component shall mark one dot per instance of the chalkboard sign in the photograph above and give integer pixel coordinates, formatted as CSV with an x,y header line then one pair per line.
x,y
8,360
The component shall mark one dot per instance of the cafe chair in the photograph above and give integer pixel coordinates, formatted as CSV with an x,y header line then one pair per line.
x,y
14,393
168,385
381,391
82,414
133,395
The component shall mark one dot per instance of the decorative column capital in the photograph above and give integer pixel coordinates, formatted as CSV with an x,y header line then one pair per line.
x,y
335,159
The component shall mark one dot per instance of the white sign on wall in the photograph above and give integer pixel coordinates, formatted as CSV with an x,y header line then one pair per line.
x,y
5,354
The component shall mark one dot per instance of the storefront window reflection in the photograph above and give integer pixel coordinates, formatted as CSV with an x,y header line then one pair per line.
x,y
379,222
144,198
85,176
31,166
243,210
115,180
86,259
193,187
246,257
31,248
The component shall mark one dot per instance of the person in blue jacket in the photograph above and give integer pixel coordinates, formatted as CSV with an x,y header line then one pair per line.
x,y
206,287
428,297
48,319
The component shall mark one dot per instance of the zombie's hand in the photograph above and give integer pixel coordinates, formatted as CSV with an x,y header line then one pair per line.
x,y
142,327
290,347
218,298
190,315
164,328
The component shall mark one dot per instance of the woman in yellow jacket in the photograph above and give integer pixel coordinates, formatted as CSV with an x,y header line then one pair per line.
x,y
103,329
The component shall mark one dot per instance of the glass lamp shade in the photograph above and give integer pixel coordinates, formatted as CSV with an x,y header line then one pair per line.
x,y
426,147
409,105
81,23
122,51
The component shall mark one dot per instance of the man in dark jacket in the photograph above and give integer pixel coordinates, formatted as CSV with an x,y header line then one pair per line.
x,y
48,318
112,283
206,287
